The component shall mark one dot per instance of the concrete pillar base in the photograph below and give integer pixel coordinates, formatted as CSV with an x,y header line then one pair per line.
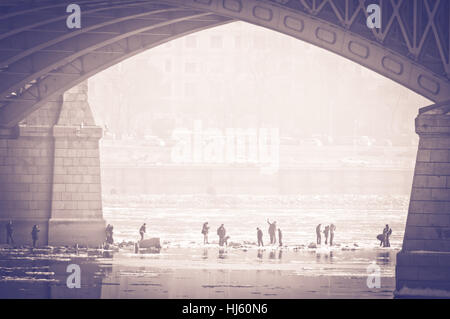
x,y
84,232
422,274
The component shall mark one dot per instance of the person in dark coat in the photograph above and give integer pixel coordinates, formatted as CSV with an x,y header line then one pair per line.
x,y
280,237
9,232
326,231
35,234
387,231
272,231
142,231
221,232
332,230
205,231
109,234
259,235
318,235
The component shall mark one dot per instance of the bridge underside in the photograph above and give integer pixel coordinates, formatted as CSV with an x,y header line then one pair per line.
x,y
40,58
49,154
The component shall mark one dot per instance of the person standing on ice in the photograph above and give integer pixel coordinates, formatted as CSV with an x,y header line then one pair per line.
x,y
325,233
109,234
35,234
142,231
280,237
386,233
318,235
221,232
205,231
259,235
272,230
9,232
332,229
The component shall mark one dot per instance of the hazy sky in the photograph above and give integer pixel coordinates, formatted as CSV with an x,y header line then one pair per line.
x,y
244,75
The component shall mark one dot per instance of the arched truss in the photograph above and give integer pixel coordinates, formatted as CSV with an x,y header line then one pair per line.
x,y
40,58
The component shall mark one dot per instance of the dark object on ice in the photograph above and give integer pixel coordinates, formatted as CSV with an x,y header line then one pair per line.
x,y
312,245
9,232
35,234
232,244
259,235
136,248
150,243
142,231
380,237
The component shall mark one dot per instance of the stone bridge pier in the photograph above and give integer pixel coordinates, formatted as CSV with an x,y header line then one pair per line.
x,y
423,264
50,174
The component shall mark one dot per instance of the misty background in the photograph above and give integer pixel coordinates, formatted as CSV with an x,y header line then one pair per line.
x,y
343,128
241,75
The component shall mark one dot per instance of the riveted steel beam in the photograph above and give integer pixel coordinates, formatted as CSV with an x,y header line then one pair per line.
x,y
92,62
384,51
42,62
89,25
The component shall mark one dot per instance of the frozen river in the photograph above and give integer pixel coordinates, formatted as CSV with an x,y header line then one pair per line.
x,y
185,268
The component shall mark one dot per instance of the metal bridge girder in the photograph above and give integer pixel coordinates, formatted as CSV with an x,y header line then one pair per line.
x,y
40,62
83,67
412,47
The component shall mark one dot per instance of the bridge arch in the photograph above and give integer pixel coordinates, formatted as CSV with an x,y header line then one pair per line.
x,y
51,174
40,58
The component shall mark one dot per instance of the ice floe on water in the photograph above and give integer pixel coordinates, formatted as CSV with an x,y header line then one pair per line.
x,y
26,279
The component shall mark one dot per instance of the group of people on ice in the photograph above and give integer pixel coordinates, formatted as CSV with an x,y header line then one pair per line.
x,y
384,237
328,232
221,232
273,230
223,238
